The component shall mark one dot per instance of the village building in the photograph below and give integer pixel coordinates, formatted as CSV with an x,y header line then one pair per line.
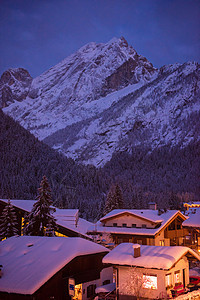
x,y
41,268
69,224
192,224
152,272
145,227
188,205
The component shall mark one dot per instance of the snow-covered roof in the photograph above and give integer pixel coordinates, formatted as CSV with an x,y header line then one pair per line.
x,y
149,214
152,257
30,261
163,219
67,218
26,205
193,218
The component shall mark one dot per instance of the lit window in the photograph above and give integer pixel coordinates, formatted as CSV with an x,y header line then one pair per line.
x,y
162,243
59,234
168,279
149,282
177,277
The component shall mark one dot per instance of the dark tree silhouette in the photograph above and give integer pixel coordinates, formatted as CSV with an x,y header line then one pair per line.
x,y
114,199
8,222
40,220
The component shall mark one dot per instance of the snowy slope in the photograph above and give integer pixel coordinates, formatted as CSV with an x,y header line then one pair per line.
x,y
105,98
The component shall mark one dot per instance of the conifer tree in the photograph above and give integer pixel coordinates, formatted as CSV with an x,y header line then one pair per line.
x,y
8,222
114,199
40,220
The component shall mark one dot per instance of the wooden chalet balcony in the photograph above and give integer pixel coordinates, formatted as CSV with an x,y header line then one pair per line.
x,y
170,234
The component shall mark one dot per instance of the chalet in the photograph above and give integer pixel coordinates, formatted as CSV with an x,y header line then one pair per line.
x,y
192,224
145,227
43,268
152,272
68,222
192,204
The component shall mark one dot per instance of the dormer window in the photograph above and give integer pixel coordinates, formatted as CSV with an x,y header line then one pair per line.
x,y
114,224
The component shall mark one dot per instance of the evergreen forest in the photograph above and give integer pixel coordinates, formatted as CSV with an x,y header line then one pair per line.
x,y
168,176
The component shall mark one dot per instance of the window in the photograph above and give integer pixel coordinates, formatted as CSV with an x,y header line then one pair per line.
x,y
162,243
168,279
177,277
149,282
134,225
91,290
124,225
114,224
144,226
59,234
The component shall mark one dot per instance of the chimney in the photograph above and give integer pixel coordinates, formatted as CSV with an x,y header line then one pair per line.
x,y
136,249
152,205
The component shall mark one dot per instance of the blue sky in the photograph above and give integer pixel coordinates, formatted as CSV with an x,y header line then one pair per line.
x,y
37,34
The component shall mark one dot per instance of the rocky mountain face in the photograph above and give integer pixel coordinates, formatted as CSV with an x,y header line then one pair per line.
x,y
106,98
14,85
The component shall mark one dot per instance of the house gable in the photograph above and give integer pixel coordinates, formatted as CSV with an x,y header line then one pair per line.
x,y
128,219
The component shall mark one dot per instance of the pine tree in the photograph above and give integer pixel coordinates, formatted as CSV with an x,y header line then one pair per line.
x,y
114,199
8,222
40,220
174,201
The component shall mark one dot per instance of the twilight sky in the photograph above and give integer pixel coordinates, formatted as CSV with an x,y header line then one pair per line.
x,y
37,34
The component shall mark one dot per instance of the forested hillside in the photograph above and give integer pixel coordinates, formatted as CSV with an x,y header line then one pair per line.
x,y
24,160
167,175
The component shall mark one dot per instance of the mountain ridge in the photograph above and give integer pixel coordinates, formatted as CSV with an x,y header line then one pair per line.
x,y
106,98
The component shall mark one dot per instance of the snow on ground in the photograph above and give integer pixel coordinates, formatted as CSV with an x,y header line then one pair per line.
x,y
29,261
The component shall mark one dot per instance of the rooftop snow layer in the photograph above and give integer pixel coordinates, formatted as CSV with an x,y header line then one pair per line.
x,y
152,215
67,218
194,219
152,257
30,261
149,214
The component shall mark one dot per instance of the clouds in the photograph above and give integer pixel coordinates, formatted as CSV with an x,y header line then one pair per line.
x,y
38,34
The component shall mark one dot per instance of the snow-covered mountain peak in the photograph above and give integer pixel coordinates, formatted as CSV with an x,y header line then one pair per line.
x,y
106,98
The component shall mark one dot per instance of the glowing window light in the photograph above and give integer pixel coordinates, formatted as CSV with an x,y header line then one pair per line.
x,y
177,277
168,279
150,282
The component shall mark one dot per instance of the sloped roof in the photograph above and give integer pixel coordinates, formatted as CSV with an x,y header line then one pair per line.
x,y
64,217
193,218
152,257
148,214
30,261
164,219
